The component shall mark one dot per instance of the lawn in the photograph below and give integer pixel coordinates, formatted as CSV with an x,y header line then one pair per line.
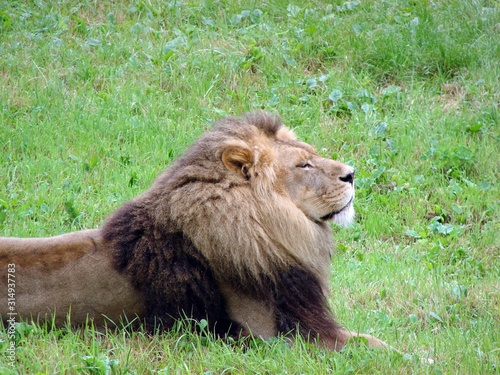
x,y
98,97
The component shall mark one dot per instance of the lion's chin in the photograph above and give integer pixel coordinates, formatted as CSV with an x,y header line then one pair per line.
x,y
344,216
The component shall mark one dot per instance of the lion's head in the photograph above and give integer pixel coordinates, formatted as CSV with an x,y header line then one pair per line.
x,y
270,157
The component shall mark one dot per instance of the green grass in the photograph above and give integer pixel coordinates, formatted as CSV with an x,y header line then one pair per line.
x,y
97,98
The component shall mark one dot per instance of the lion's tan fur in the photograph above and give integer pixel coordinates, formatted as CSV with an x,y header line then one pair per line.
x,y
237,195
68,273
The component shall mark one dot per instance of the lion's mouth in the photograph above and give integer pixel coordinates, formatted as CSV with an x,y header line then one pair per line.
x,y
331,215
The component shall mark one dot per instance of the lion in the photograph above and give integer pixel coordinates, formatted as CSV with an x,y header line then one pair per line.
x,y
236,232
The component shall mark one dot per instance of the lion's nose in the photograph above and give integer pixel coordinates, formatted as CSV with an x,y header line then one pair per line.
x,y
348,177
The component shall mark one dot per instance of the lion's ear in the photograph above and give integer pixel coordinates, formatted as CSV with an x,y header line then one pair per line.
x,y
238,158
251,162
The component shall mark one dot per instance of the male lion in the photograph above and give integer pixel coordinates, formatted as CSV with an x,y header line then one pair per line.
x,y
235,232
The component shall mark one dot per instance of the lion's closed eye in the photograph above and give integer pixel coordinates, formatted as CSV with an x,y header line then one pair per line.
x,y
305,165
